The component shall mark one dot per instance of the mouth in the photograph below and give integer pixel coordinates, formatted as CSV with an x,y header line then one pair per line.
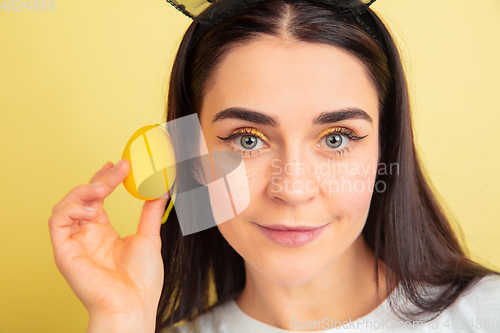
x,y
292,236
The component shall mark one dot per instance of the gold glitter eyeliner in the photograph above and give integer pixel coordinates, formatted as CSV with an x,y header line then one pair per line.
x,y
245,131
340,130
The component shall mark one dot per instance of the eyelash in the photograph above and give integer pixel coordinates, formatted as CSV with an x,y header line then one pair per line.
x,y
241,132
343,132
255,133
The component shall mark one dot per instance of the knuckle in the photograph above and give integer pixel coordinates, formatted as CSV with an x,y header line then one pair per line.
x,y
54,218
88,192
64,211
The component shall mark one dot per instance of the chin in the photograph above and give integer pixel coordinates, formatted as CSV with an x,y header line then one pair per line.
x,y
291,277
290,268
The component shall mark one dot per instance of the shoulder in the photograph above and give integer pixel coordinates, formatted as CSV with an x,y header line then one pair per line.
x,y
477,309
483,297
210,322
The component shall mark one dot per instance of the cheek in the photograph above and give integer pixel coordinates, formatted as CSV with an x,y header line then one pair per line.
x,y
350,185
252,184
225,176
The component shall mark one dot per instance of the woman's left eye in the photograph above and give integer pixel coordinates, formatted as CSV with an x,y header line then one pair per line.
x,y
335,141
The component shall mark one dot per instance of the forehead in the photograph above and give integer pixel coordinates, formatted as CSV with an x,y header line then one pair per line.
x,y
276,75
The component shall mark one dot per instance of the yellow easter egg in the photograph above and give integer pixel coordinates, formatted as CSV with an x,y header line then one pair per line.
x,y
152,160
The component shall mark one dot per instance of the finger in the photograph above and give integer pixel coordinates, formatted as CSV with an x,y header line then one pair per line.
x,y
106,177
60,223
84,194
81,194
114,176
100,215
105,168
151,215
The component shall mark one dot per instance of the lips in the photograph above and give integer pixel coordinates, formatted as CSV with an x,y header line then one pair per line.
x,y
282,227
292,236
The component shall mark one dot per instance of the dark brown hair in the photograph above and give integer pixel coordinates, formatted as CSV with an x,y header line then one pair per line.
x,y
406,227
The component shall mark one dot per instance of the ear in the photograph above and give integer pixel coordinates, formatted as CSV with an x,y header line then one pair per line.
x,y
197,170
196,174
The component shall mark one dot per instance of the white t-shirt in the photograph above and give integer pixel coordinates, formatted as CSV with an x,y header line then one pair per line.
x,y
477,310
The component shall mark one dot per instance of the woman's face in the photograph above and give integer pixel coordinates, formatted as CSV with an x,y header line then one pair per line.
x,y
306,163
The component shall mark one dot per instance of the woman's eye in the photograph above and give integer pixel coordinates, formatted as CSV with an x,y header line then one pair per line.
x,y
335,141
246,140
249,142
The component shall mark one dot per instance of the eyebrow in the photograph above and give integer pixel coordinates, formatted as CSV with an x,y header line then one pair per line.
x,y
263,119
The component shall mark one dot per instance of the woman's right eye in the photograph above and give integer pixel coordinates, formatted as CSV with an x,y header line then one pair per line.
x,y
247,140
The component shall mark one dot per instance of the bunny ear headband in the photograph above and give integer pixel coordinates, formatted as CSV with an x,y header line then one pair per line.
x,y
211,13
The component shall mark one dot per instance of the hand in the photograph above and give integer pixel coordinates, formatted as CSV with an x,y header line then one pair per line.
x,y
116,279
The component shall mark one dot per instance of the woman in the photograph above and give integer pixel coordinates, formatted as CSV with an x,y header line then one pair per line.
x,y
293,87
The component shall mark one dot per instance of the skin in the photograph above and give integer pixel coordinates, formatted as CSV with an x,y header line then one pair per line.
x,y
119,280
294,82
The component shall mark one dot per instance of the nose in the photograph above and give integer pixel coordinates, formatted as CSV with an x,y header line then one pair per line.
x,y
292,178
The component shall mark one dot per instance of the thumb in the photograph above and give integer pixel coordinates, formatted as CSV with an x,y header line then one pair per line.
x,y
151,215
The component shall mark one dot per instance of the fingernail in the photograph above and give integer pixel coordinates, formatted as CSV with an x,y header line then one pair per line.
x,y
90,208
96,184
118,164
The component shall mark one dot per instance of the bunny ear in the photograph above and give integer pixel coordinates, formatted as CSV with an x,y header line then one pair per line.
x,y
191,8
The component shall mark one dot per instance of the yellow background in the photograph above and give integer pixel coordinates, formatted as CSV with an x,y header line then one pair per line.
x,y
77,82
